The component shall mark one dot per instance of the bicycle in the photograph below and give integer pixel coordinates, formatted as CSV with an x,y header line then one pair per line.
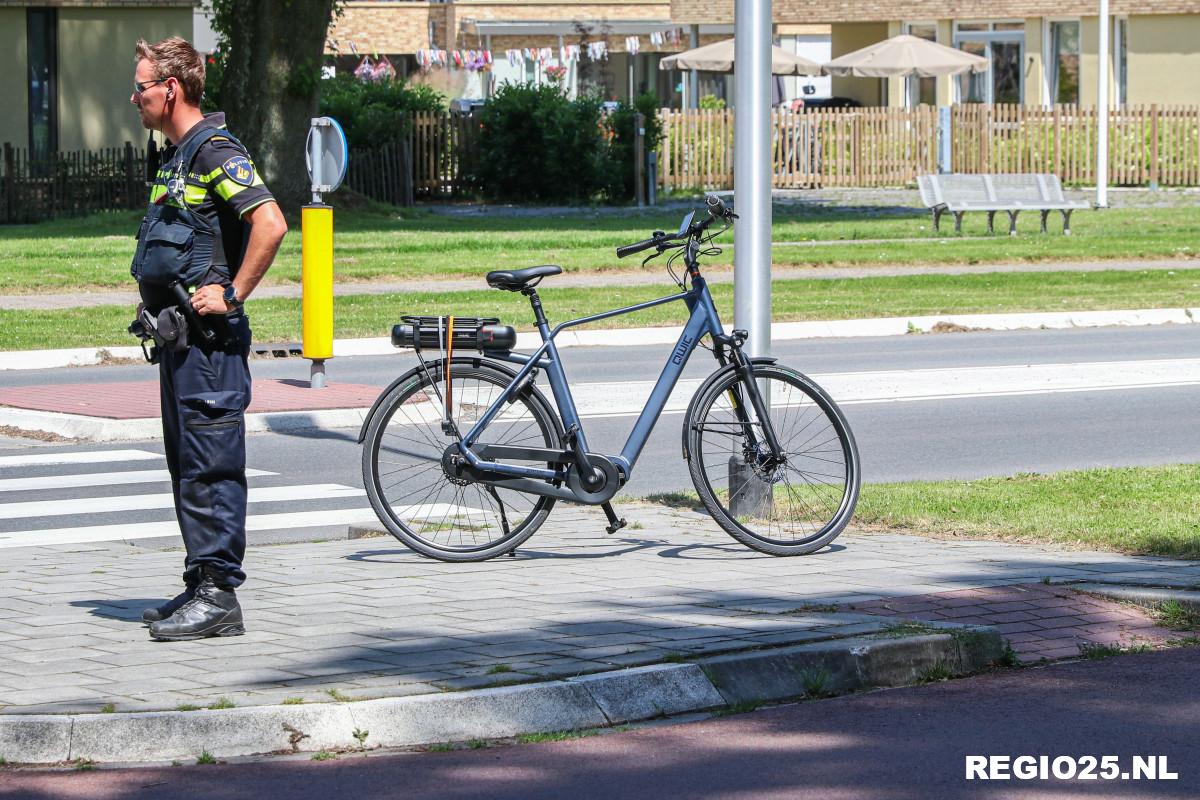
x,y
770,454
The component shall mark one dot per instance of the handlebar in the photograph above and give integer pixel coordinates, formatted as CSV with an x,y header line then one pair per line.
x,y
717,210
716,207
646,244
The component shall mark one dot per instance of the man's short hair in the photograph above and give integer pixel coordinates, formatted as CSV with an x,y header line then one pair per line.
x,y
175,58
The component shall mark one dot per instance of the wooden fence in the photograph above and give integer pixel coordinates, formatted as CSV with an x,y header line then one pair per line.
x,y
383,173
1155,145
70,183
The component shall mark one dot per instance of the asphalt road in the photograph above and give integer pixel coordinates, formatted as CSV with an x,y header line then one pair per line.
x,y
935,438
894,744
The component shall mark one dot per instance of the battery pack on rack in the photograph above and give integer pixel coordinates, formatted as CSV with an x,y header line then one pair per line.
x,y
485,335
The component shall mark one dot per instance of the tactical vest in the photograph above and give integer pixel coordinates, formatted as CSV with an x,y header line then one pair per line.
x,y
176,244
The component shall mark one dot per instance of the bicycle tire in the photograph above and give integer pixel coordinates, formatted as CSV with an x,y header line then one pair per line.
x,y
798,519
404,444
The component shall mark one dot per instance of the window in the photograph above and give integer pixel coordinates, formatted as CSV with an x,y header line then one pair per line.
x,y
1064,62
921,91
41,39
1002,44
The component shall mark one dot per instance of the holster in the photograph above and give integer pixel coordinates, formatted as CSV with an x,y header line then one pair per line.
x,y
168,330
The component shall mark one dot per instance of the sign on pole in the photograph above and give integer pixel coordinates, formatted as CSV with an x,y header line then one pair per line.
x,y
326,158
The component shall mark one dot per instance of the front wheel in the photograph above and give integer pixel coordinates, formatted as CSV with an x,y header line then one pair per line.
x,y
788,503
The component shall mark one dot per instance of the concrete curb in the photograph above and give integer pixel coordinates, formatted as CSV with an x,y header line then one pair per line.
x,y
588,701
625,337
1148,596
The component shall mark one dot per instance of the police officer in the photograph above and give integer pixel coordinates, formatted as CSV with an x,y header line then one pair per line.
x,y
210,233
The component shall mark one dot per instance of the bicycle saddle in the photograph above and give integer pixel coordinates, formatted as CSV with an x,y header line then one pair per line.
x,y
514,280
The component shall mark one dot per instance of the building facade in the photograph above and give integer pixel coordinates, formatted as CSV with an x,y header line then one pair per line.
x,y
66,69
1042,52
468,48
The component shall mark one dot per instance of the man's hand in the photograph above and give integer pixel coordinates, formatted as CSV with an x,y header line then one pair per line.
x,y
210,300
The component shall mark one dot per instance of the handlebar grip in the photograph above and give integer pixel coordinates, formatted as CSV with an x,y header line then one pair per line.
x,y
716,206
630,249
185,306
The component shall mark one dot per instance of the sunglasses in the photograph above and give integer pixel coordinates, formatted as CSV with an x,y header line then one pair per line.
x,y
138,88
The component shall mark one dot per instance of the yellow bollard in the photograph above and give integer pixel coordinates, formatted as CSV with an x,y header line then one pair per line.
x,y
316,234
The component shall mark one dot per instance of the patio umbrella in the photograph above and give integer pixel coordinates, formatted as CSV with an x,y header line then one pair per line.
x,y
718,57
905,55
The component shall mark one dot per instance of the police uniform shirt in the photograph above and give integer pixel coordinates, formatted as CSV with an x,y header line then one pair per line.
x,y
222,185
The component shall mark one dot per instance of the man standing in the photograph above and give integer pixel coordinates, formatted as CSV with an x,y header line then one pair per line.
x,y
210,233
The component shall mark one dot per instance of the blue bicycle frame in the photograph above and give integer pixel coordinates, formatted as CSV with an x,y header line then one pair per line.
x,y
703,319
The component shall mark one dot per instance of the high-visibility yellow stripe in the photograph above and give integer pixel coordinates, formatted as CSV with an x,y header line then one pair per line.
x,y
227,189
156,192
194,195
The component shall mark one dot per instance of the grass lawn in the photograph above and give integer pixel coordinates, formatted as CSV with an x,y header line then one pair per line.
x,y
916,295
1144,510
378,244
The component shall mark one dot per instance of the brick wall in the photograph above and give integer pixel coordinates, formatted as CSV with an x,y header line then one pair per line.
x,y
818,11
403,27
385,28
561,10
98,3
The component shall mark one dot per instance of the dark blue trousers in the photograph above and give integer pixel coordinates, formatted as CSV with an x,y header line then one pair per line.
x,y
205,392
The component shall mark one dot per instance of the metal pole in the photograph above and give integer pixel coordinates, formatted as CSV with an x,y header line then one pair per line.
x,y
750,495
752,174
693,92
1102,111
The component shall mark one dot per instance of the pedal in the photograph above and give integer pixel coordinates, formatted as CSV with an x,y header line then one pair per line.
x,y
615,523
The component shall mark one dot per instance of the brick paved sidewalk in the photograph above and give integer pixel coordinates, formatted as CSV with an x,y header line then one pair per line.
x,y
1039,621
368,618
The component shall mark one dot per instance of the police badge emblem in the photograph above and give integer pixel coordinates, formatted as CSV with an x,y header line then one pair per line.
x,y
240,170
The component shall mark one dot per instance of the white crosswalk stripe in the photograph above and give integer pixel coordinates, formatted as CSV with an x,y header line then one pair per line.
x,y
96,479
87,457
146,502
97,519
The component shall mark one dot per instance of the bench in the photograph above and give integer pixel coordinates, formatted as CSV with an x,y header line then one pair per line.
x,y
1013,194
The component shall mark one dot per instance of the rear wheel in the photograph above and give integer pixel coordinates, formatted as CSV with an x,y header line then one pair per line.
x,y
444,517
791,505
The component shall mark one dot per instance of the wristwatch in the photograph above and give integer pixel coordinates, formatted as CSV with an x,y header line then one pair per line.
x,y
231,298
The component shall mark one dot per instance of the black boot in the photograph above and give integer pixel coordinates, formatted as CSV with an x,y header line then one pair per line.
x,y
214,611
170,607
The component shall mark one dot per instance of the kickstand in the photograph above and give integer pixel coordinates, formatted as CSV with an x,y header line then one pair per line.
x,y
615,523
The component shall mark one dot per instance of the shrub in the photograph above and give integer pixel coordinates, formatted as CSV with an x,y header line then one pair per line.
x,y
621,125
373,113
538,146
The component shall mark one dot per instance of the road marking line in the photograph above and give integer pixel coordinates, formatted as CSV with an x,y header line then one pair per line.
x,y
97,479
147,502
91,457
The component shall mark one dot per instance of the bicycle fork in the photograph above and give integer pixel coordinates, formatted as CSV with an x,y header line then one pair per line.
x,y
745,370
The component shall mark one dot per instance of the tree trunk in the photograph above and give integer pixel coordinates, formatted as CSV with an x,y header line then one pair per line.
x,y
271,85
